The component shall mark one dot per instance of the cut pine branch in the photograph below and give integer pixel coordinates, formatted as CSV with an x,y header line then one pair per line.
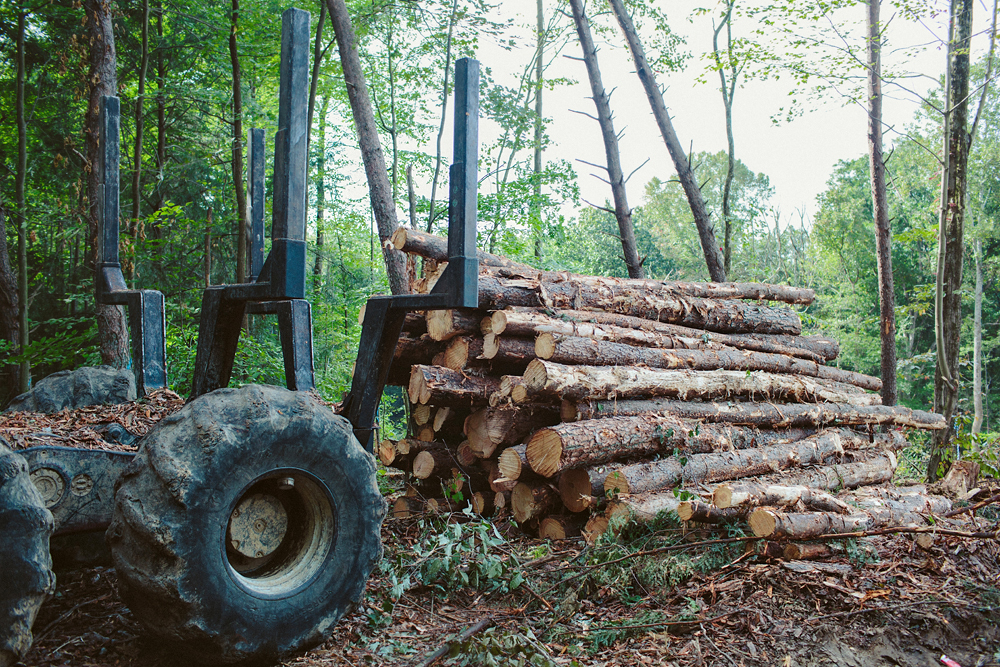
x,y
585,351
550,380
770,415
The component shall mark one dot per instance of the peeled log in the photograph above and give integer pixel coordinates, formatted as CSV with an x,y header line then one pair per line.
x,y
817,348
771,415
845,475
546,379
724,316
529,501
446,324
443,386
585,351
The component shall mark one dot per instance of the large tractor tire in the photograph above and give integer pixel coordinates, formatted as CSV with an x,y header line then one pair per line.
x,y
247,525
26,578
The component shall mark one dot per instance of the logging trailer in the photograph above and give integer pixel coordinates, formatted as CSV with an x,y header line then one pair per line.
x,y
249,521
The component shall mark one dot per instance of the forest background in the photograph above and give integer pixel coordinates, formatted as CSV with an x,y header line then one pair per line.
x,y
194,77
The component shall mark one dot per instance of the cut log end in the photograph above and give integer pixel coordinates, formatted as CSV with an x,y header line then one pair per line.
x,y
558,528
616,482
575,489
387,452
722,497
545,345
510,462
763,523
535,375
596,526
544,451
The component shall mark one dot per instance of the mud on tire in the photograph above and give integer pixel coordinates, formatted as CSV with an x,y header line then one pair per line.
x,y
27,579
247,525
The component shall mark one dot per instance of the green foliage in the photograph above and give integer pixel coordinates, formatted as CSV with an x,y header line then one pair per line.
x,y
452,556
499,648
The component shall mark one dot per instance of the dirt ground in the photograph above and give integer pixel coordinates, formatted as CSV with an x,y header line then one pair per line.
x,y
878,601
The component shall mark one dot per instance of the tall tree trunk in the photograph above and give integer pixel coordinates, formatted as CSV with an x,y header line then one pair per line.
x,y
883,232
318,53
242,218
161,105
536,207
728,90
320,192
207,260
615,176
706,231
444,110
977,354
103,78
22,222
393,125
140,98
379,188
948,311
9,312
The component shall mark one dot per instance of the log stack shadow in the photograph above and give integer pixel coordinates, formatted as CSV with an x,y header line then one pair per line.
x,y
570,401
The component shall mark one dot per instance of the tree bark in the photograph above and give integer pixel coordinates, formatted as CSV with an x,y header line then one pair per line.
x,y
379,188
580,444
642,508
767,415
206,266
666,288
640,331
536,207
784,495
685,175
728,91
21,219
161,106
880,206
556,381
774,524
724,315
9,322
320,194
139,120
875,470
443,386
112,331
614,169
948,305
584,351
977,351
510,351
242,217
699,512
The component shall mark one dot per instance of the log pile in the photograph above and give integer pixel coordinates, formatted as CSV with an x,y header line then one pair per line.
x,y
570,400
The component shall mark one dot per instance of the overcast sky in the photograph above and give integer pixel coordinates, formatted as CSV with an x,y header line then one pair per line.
x,y
797,156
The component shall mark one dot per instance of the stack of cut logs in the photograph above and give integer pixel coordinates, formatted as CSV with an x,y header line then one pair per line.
x,y
570,400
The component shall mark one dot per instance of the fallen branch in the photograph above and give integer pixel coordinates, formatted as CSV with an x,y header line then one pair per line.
x,y
465,634
973,508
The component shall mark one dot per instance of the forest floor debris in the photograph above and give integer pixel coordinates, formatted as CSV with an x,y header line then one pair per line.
x,y
716,599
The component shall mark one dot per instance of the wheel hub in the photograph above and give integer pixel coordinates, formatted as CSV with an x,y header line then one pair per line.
x,y
258,525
